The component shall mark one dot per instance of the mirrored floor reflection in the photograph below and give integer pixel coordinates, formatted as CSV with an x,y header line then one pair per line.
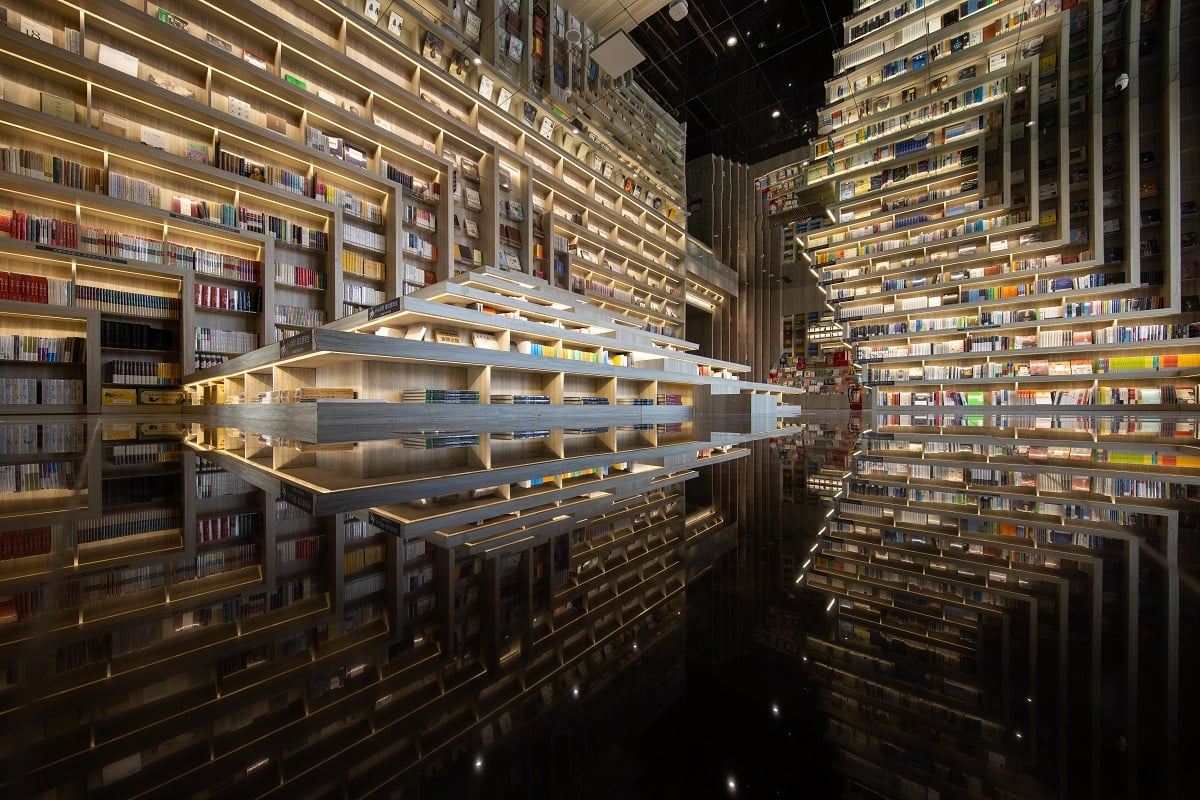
x,y
179,599
950,604
1007,597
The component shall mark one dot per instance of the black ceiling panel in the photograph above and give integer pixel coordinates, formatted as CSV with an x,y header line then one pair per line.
x,y
726,94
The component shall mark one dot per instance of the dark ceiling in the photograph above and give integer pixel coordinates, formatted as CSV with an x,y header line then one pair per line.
x,y
725,93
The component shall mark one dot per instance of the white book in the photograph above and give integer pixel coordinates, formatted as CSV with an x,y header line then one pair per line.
x,y
118,60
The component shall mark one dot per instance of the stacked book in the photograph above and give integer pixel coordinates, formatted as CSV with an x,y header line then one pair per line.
x,y
440,440
521,399
440,396
584,400
634,401
665,399
518,435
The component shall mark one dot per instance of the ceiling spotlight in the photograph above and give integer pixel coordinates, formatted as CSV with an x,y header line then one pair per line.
x,y
678,10
775,114
477,60
1122,81
732,40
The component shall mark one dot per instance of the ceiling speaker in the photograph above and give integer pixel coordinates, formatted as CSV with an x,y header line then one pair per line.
x,y
678,10
574,36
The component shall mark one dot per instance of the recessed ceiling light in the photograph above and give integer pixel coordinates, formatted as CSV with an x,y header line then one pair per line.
x,y
789,84
777,24
732,40
775,114
478,60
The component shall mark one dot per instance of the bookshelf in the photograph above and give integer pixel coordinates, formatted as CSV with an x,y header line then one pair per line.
x,y
280,185
1013,314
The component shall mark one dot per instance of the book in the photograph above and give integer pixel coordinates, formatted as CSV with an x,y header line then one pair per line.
x,y
471,26
153,137
276,123
117,59
469,168
415,333
219,43
55,106
471,228
504,98
196,151
529,113
485,340
372,9
460,66
547,129
432,47
486,86
447,336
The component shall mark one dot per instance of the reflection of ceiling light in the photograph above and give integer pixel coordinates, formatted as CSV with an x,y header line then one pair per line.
x,y
732,40
478,60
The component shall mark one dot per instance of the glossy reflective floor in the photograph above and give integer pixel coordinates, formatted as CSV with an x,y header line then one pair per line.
x,y
942,604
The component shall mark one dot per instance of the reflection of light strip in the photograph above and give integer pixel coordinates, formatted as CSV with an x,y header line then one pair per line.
x,y
696,300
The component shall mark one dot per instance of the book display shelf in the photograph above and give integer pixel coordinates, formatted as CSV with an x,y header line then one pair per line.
x,y
146,642
1007,257
1007,253
940,274
206,203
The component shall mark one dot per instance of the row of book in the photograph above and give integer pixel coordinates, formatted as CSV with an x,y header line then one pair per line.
x,y
283,230
297,549
134,190
362,295
359,264
550,351
213,340
45,349
162,373
220,484
361,558
128,523
264,173
41,476
36,289
48,391
47,167
135,336
426,191
226,298
361,237
135,303
223,265
418,217
300,315
214,562
25,542
18,438
143,453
